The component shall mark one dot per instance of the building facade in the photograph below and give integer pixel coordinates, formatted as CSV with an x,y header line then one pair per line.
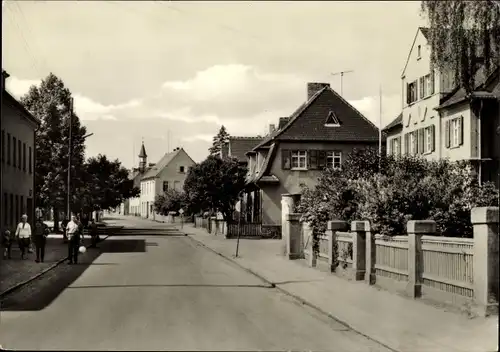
x,y
18,160
169,173
317,135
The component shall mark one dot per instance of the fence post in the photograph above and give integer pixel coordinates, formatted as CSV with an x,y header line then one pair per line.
x,y
363,252
333,227
416,229
294,234
485,260
307,235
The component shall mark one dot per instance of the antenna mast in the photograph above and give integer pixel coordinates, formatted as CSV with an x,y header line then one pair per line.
x,y
341,73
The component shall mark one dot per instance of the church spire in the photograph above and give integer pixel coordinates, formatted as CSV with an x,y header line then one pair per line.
x,y
143,158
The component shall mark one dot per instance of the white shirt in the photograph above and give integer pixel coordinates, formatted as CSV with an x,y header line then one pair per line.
x,y
71,227
23,230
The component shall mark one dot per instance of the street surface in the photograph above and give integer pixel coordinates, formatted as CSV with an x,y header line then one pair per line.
x,y
156,289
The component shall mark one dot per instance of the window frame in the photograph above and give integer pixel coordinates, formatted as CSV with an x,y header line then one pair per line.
x,y
413,143
455,132
333,157
298,155
428,140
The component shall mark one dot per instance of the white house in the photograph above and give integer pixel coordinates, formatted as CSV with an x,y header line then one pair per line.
x,y
170,172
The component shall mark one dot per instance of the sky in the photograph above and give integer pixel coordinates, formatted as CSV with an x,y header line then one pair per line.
x,y
171,73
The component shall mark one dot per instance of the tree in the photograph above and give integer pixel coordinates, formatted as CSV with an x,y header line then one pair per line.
x,y
219,141
463,35
50,102
170,200
105,185
215,184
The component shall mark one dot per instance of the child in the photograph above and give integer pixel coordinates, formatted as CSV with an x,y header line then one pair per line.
x,y
6,244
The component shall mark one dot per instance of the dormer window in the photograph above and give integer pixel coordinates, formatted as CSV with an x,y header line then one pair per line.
x,y
419,52
181,169
332,120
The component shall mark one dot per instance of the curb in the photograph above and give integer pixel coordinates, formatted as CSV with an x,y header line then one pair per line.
x,y
36,276
294,296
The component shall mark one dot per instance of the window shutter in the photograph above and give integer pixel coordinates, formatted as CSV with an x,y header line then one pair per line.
x,y
421,144
447,134
461,132
433,138
421,87
432,83
285,160
390,146
399,146
407,144
408,93
313,159
321,159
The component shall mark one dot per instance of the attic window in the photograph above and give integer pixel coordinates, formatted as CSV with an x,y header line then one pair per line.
x,y
419,52
332,120
181,169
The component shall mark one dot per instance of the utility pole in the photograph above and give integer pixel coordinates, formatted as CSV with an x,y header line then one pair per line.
x,y
380,128
69,156
341,73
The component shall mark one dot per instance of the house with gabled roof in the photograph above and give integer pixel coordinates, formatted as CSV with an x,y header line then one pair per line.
x,y
439,119
169,172
319,134
238,146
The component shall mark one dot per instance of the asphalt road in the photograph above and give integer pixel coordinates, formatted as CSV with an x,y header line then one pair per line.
x,y
147,292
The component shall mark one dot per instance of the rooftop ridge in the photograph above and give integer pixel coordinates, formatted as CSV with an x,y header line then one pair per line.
x,y
245,137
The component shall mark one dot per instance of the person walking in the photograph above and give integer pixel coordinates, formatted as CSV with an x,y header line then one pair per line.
x,y
23,235
6,244
64,224
73,231
93,234
40,239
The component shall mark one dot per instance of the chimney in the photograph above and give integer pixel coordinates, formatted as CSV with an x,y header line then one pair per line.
x,y
283,122
313,88
5,75
272,128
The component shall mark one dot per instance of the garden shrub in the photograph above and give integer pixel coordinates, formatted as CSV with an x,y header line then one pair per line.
x,y
170,200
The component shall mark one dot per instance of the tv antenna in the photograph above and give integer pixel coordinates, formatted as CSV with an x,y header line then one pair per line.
x,y
341,73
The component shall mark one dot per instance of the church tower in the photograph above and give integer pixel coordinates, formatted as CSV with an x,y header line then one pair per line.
x,y
143,159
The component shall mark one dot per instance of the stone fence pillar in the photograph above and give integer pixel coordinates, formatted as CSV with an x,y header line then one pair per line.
x,y
292,229
333,227
416,229
363,252
485,223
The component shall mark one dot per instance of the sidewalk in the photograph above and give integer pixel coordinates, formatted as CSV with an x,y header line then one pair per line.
x,y
395,321
15,271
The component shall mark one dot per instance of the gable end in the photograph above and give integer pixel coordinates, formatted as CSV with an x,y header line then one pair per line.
x,y
332,120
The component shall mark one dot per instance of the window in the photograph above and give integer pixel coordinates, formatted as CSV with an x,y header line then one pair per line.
x,y
177,185
333,159
24,157
413,143
165,186
14,153
395,147
3,146
429,139
455,132
30,161
8,149
411,92
422,87
299,159
419,52
181,169
19,155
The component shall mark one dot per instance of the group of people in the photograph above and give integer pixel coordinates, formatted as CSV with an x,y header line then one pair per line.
x,y
72,230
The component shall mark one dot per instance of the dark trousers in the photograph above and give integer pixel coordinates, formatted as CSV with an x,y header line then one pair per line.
x,y
7,246
73,246
24,244
40,242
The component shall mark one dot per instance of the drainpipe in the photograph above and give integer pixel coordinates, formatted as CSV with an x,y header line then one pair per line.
x,y
479,149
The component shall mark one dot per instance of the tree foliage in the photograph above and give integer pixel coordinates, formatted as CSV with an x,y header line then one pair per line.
x,y
463,35
105,185
219,141
50,102
170,200
214,184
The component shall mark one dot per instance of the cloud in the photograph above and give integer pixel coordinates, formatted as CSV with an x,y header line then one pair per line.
x,y
198,137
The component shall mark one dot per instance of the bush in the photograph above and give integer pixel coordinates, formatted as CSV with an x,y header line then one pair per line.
x,y
399,190
170,200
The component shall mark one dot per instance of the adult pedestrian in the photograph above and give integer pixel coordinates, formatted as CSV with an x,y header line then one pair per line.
x,y
64,224
23,235
6,244
73,232
93,234
40,239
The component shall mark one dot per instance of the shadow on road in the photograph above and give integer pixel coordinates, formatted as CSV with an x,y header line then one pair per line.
x,y
42,291
169,285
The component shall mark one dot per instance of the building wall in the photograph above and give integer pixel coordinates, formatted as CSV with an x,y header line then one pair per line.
x,y
394,133
17,182
469,146
147,196
291,180
421,113
172,173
